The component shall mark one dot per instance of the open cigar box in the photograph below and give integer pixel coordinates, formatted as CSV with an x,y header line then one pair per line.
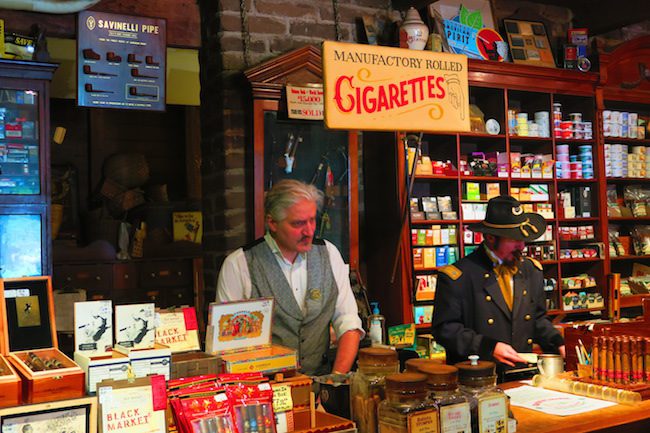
x,y
240,333
30,342
11,392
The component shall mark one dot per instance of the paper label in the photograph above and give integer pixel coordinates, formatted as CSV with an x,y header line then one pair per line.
x,y
191,323
455,418
159,392
97,373
282,400
493,415
425,421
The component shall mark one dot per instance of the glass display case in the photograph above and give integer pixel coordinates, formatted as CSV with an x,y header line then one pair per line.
x,y
304,149
19,142
25,242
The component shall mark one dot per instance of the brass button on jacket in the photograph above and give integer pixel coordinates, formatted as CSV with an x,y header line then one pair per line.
x,y
529,341
488,298
487,275
490,321
527,317
525,292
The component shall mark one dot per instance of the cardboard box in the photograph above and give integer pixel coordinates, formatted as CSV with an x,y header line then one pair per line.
x,y
30,341
146,362
240,333
113,366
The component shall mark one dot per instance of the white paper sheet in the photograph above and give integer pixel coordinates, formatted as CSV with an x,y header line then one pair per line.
x,y
553,402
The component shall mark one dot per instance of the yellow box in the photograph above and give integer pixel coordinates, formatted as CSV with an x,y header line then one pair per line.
x,y
2,38
429,258
240,333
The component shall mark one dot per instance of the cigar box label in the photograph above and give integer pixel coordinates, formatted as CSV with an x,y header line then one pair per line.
x,y
492,415
93,326
243,324
172,331
28,311
455,418
135,325
425,421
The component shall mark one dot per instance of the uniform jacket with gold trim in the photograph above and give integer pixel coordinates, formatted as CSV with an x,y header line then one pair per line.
x,y
471,315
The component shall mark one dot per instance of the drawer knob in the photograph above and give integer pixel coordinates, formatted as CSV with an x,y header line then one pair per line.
x,y
180,295
68,279
126,276
98,278
180,273
153,298
153,275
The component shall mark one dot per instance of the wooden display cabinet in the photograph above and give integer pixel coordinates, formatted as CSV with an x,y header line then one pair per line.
x,y
25,242
320,150
495,88
29,341
624,87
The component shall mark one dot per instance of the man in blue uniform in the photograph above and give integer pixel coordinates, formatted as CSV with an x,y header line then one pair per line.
x,y
491,303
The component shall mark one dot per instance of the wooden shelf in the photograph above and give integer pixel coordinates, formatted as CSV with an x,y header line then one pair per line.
x,y
640,142
582,260
431,222
632,300
481,135
647,218
574,141
531,179
628,179
484,178
422,325
578,220
582,310
529,138
630,257
591,180
434,177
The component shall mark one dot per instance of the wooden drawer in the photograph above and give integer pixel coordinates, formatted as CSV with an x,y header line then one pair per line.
x,y
179,296
166,273
125,276
98,277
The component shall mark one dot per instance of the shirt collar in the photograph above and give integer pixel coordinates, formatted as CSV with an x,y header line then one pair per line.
x,y
496,261
275,249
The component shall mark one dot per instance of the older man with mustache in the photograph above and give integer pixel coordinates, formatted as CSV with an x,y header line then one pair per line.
x,y
307,277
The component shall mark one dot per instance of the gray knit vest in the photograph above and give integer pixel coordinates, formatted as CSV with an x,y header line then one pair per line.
x,y
308,333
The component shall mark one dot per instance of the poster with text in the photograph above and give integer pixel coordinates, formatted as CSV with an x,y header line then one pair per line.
x,y
121,61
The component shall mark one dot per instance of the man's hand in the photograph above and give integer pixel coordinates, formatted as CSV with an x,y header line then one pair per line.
x,y
562,351
505,354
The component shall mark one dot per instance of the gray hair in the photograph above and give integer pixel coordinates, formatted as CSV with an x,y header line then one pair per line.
x,y
287,193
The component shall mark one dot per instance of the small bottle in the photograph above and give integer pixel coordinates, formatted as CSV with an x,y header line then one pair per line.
x,y
376,326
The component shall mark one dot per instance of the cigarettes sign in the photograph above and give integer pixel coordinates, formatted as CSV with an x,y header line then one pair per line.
x,y
394,89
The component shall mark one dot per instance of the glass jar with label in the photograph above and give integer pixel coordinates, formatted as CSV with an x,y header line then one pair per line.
x,y
442,383
488,404
367,385
406,409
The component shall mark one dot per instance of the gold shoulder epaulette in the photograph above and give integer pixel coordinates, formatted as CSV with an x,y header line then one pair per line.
x,y
537,264
451,271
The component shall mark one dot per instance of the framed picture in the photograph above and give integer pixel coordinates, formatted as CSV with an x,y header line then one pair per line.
x,y
529,43
78,416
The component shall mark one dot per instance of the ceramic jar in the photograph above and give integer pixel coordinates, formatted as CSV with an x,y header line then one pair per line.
x,y
413,33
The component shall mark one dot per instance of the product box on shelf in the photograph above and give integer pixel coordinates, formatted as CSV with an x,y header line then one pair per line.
x,y
93,341
30,341
178,329
240,333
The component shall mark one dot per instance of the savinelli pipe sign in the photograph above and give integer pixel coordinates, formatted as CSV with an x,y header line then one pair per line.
x,y
121,61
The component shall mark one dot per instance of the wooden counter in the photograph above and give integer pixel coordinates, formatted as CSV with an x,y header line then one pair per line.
x,y
619,418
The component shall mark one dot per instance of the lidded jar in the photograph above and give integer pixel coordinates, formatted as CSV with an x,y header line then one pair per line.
x,y
367,385
488,404
413,365
406,405
442,383
413,33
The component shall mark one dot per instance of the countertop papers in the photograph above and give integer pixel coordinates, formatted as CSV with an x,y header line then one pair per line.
x,y
553,402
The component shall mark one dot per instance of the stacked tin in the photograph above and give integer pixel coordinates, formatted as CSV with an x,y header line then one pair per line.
x,y
622,124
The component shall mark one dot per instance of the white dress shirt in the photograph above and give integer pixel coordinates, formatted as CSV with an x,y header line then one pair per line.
x,y
234,283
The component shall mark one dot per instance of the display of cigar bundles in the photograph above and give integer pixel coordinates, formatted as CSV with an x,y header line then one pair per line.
x,y
622,359
36,363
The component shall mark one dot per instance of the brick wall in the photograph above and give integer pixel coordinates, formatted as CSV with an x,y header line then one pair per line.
x,y
275,27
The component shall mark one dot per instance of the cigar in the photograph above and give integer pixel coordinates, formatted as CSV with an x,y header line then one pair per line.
x,y
37,363
595,357
639,359
610,359
626,359
646,356
618,371
634,348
